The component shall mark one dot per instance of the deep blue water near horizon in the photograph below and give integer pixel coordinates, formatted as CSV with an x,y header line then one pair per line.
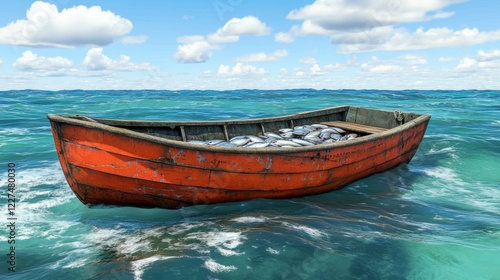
x,y
437,217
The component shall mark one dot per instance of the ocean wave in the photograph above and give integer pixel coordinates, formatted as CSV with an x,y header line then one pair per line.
x,y
185,227
445,150
139,266
14,131
445,183
39,190
444,174
123,242
316,233
250,219
272,251
217,239
217,267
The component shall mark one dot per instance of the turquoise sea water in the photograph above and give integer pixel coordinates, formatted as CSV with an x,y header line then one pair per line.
x,y
436,218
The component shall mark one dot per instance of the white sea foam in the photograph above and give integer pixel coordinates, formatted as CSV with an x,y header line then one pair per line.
x,y
14,131
272,251
39,190
124,242
486,198
250,219
445,150
316,233
78,263
75,256
32,177
229,240
185,227
447,184
445,174
70,262
227,253
217,267
139,266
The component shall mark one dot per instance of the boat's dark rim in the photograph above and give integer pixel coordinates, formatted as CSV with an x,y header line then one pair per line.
x,y
238,150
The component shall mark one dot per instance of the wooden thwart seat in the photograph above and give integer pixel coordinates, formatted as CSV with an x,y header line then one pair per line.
x,y
356,127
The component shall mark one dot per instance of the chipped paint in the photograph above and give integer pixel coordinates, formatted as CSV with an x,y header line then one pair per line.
x,y
200,157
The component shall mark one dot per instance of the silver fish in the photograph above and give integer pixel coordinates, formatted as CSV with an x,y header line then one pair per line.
x,y
255,139
309,127
330,129
314,140
240,141
312,134
282,143
238,137
302,142
226,144
257,145
300,131
271,140
328,141
287,135
214,142
335,136
339,130
274,135
320,126
283,130
325,135
351,135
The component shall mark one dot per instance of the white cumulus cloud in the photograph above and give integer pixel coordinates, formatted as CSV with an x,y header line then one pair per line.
x,y
374,65
197,48
45,26
195,52
31,62
400,39
240,69
483,60
308,60
236,27
347,15
191,39
488,56
374,25
96,60
283,37
261,57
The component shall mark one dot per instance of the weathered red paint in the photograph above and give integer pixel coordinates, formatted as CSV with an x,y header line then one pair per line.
x,y
110,167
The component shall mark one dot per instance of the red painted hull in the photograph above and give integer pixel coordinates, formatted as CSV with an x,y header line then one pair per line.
x,y
116,167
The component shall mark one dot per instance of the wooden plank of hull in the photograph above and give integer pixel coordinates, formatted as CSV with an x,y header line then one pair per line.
x,y
153,175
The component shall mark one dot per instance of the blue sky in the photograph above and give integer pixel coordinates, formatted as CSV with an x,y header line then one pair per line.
x,y
232,44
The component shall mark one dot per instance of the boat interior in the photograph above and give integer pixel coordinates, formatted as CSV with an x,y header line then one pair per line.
x,y
360,120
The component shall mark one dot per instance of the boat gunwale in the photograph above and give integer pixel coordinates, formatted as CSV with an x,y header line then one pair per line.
x,y
73,120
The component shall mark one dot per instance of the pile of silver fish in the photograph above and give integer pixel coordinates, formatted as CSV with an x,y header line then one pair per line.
x,y
299,136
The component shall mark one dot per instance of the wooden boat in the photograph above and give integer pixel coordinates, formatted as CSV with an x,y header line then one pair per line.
x,y
151,164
